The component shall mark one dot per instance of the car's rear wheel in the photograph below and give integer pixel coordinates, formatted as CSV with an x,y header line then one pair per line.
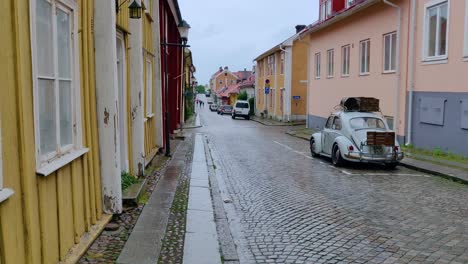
x,y
247,117
312,149
337,160
233,116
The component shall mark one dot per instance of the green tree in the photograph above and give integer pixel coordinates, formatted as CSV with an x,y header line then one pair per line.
x,y
242,96
200,89
252,106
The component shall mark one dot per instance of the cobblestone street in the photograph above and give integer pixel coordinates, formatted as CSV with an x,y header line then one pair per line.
x,y
297,209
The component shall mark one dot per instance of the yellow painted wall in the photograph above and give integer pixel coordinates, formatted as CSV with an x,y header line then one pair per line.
x,y
299,73
123,17
47,215
150,123
232,99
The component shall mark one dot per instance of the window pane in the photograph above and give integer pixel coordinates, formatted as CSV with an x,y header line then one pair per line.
x,y
45,64
394,53
432,28
47,120
363,57
66,121
387,52
63,43
367,56
443,29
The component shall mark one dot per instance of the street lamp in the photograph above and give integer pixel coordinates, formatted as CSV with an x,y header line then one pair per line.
x,y
184,28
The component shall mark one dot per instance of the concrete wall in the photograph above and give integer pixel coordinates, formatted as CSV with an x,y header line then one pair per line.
x,y
449,136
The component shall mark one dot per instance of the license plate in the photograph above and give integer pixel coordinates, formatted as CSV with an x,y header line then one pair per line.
x,y
378,150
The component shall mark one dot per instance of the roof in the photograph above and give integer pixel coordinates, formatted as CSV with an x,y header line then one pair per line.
x,y
319,25
227,91
287,42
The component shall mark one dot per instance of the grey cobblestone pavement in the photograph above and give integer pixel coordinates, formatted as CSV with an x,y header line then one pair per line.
x,y
297,209
107,247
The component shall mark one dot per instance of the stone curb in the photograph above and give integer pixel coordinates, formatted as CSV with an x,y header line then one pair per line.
x,y
267,124
413,167
433,172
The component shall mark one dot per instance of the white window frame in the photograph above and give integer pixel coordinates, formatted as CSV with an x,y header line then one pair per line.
x,y
272,64
330,63
367,53
345,60
273,99
326,10
391,35
317,65
349,3
51,162
425,46
465,53
149,88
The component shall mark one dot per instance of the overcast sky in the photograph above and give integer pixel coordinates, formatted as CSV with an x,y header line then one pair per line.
x,y
232,33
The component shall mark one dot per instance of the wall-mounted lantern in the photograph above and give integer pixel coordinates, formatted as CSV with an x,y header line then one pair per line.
x,y
135,9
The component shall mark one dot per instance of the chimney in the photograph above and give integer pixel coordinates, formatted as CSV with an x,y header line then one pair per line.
x,y
245,69
220,68
299,28
226,68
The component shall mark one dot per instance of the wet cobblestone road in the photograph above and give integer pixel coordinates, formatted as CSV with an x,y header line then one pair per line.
x,y
296,209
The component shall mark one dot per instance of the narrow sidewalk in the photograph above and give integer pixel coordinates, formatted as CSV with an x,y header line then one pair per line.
x,y
201,238
271,122
447,169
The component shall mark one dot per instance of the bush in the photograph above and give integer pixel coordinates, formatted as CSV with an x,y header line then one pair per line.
x,y
252,106
127,180
242,96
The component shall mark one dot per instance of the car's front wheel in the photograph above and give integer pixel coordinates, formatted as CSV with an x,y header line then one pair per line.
x,y
312,149
247,117
233,116
337,160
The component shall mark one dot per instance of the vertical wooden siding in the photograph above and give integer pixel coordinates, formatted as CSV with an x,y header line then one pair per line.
x,y
148,46
123,16
47,215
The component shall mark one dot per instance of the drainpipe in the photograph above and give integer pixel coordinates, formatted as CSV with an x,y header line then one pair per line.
x,y
397,86
411,71
289,90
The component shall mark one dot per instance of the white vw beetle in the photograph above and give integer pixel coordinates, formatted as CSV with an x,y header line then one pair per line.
x,y
357,137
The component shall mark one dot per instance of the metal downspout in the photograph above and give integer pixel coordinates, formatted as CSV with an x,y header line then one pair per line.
x,y
397,86
411,72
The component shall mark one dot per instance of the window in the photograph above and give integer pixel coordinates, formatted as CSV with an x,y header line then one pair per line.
x,y
55,76
221,82
366,123
317,65
390,43
329,122
149,87
330,63
349,3
336,124
271,65
345,60
435,33
282,63
364,57
326,10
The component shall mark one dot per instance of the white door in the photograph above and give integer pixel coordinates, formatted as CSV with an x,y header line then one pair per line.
x,y
122,85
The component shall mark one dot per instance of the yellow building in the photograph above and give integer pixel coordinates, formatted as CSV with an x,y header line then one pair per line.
x,y
50,181
222,79
281,80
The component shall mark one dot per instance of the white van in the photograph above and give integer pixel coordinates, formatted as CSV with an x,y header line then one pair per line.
x,y
242,109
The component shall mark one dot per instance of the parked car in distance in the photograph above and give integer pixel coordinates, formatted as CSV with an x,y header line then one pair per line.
x,y
357,137
213,107
225,109
241,109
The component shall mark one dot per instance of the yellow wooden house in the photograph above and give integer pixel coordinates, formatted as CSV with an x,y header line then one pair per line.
x,y
281,80
50,181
